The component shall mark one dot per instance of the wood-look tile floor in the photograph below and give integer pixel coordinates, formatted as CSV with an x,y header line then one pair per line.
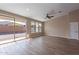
x,y
44,45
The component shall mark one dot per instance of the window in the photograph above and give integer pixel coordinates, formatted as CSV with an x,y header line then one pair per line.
x,y
40,27
37,30
36,27
32,26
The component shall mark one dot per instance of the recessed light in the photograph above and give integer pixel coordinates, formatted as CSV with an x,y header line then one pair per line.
x,y
27,9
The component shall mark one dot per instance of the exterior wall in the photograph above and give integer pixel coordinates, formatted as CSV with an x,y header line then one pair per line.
x,y
10,29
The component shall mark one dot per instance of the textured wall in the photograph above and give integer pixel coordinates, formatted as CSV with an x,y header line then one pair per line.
x,y
57,27
60,26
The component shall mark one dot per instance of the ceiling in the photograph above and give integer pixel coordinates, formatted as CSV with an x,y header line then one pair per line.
x,y
38,11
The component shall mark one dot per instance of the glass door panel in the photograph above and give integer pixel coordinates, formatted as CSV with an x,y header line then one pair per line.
x,y
6,30
20,30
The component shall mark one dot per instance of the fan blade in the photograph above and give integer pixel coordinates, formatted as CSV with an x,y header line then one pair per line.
x,y
51,16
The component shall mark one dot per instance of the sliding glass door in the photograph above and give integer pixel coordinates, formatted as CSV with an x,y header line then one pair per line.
x,y
11,29
6,30
20,29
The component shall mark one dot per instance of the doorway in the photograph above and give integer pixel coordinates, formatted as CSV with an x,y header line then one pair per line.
x,y
74,30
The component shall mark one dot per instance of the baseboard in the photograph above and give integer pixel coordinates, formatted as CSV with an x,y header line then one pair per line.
x,y
58,37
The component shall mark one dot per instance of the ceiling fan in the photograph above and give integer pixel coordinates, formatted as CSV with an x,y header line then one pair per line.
x,y
49,16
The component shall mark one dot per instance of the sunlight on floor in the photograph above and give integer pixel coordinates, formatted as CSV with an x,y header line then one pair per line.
x,y
11,40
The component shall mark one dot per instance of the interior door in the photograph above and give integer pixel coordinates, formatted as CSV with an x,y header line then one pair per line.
x,y
74,30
